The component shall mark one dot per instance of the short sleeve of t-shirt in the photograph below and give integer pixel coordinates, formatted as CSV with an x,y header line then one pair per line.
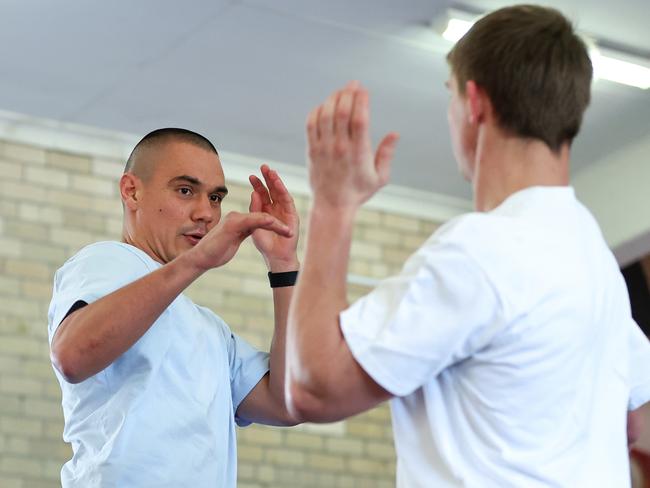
x,y
439,310
247,367
639,380
94,272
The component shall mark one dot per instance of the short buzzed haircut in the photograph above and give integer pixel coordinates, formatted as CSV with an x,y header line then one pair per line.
x,y
163,135
533,66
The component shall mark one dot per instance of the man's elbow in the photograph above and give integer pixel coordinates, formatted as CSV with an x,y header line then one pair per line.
x,y
66,364
290,420
635,425
305,405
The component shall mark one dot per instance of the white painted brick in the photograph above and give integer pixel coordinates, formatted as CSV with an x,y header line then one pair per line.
x,y
79,220
90,209
26,231
11,482
10,170
11,405
255,339
368,217
93,185
69,199
40,213
28,269
73,163
44,253
20,385
257,287
37,290
108,168
241,267
18,307
230,316
52,469
399,222
23,191
73,238
36,368
8,209
18,445
381,236
52,390
365,250
358,267
114,226
42,408
21,152
106,206
20,465
10,247
52,429
47,177
20,346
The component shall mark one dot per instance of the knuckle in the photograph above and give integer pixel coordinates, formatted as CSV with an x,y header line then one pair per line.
x,y
358,123
342,114
339,149
326,116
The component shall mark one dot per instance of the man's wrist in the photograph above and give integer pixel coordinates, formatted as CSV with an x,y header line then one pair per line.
x,y
191,261
283,265
331,222
280,280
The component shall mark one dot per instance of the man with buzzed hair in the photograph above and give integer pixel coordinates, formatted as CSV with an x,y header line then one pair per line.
x,y
153,384
141,167
506,344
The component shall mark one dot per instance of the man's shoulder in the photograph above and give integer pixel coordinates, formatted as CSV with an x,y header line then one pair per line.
x,y
108,258
109,250
497,246
476,230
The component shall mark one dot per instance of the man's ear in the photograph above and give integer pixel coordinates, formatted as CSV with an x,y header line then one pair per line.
x,y
478,103
130,190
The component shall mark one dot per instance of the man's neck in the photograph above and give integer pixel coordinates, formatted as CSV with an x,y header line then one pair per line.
x,y
507,164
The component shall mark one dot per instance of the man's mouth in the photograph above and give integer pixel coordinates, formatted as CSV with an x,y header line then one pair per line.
x,y
194,238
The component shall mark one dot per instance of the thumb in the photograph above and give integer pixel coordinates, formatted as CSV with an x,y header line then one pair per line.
x,y
260,220
384,155
256,203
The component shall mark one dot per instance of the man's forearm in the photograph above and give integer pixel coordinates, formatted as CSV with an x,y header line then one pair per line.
x,y
320,295
91,338
281,300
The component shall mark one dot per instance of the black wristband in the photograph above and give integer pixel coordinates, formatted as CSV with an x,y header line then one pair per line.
x,y
277,280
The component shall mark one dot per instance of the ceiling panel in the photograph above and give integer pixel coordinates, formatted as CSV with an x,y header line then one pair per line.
x,y
247,72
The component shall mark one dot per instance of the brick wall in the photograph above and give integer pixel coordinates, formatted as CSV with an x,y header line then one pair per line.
x,y
51,204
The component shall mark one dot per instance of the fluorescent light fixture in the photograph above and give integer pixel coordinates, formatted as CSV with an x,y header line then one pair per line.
x,y
456,28
609,64
616,68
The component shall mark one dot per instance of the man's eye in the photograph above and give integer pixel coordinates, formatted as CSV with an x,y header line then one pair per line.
x,y
216,198
185,191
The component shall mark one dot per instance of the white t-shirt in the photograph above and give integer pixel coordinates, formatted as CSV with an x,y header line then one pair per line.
x,y
163,413
509,344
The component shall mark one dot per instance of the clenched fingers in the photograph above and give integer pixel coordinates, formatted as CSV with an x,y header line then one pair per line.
x,y
245,224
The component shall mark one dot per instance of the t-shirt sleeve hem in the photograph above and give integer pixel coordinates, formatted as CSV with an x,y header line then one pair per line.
x,y
639,396
251,382
362,354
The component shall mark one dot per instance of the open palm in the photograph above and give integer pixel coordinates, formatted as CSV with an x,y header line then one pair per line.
x,y
274,199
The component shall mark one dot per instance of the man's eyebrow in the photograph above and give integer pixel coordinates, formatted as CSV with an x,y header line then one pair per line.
x,y
196,182
186,178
